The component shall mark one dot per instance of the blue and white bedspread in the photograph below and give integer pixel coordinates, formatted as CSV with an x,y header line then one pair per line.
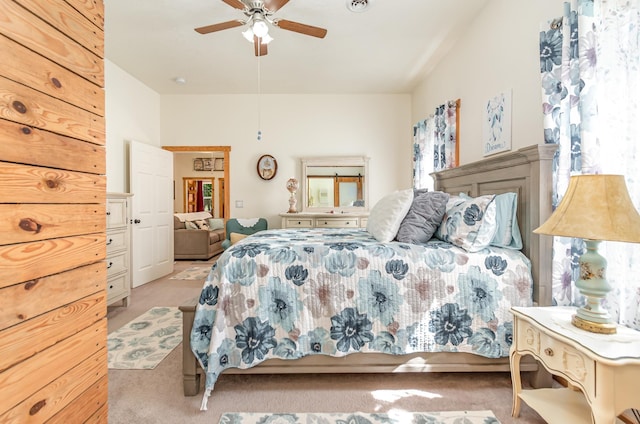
x,y
291,293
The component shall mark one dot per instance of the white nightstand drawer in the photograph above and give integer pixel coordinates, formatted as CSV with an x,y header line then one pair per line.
x,y
337,222
300,223
117,213
117,264
117,285
117,240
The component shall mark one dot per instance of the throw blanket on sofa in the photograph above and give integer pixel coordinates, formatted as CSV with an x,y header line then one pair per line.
x,y
192,216
290,293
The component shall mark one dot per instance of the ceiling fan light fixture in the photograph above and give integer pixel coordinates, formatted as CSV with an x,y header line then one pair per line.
x,y
259,26
357,6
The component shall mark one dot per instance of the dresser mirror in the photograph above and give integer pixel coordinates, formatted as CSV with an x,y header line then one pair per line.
x,y
338,184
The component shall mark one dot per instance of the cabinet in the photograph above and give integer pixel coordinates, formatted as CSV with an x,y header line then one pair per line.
x,y
602,370
118,260
324,220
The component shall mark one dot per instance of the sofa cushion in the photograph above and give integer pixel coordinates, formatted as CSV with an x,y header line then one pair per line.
x,y
216,236
177,224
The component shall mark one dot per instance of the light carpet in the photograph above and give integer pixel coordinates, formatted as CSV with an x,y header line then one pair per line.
x,y
393,417
145,341
193,273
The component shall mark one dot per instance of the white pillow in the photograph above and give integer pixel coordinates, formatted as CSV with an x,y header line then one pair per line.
x,y
387,215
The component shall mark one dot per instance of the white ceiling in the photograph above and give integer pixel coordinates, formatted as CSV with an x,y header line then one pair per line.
x,y
386,49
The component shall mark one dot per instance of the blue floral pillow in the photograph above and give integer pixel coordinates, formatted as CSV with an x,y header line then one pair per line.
x,y
470,224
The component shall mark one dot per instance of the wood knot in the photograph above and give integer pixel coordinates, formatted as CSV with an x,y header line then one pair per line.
x,y
19,106
51,183
56,82
29,224
26,130
30,284
37,407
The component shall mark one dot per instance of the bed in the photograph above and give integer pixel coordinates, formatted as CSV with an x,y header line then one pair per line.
x,y
284,338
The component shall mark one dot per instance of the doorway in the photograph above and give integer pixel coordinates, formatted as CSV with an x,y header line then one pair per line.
x,y
224,186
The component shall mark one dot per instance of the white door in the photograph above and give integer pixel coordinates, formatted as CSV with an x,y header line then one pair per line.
x,y
151,182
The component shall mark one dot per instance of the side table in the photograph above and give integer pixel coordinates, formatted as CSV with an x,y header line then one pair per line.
x,y
602,370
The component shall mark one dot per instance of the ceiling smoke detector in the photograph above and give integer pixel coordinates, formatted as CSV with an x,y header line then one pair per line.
x,y
357,6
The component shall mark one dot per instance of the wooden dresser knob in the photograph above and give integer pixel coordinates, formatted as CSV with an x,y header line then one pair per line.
x,y
548,351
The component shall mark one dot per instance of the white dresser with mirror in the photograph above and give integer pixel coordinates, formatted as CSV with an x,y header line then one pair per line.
x,y
334,193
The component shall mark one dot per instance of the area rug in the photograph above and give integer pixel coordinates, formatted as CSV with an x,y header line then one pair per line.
x,y
394,417
193,273
144,342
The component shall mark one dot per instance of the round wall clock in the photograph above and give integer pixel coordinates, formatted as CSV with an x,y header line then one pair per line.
x,y
267,167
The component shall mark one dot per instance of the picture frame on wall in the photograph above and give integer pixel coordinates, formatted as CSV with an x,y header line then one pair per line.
x,y
496,127
267,167
207,164
198,165
218,164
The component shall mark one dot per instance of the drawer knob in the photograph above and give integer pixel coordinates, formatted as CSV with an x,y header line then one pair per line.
x,y
110,265
109,242
299,223
347,222
548,351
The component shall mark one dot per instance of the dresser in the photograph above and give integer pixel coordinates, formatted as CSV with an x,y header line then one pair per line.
x,y
324,220
602,370
118,260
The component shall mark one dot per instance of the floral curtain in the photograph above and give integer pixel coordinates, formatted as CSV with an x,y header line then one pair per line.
x,y
435,144
585,57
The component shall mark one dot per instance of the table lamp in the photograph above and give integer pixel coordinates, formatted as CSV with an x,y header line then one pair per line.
x,y
594,208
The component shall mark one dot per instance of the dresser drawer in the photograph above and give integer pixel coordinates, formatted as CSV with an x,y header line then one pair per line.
x,y
116,286
363,222
116,213
117,264
559,357
337,222
116,241
299,223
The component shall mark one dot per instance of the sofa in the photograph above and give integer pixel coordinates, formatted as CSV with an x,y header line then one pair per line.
x,y
194,242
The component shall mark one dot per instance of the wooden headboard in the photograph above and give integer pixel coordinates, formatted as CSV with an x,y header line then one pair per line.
x,y
526,172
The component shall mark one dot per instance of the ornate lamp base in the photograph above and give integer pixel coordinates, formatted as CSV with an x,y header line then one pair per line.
x,y
594,327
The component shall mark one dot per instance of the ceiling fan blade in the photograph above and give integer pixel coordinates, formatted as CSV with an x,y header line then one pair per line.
x,y
259,48
219,27
301,28
274,5
236,4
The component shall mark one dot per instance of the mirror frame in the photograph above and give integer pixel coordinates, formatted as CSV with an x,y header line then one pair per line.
x,y
350,161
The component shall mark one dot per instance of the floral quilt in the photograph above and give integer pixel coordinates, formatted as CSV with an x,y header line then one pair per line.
x,y
289,293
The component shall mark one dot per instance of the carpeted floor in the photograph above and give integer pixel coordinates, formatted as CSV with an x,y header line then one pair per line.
x,y
155,396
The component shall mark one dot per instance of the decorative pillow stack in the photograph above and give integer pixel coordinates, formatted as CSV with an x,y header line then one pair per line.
x,y
386,216
507,231
424,216
470,224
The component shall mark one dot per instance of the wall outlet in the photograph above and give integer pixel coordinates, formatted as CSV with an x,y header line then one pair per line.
x,y
239,204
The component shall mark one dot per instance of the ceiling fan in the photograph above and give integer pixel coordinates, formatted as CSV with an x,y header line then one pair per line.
x,y
259,15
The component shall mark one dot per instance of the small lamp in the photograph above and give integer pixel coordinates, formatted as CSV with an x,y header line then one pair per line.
x,y
594,208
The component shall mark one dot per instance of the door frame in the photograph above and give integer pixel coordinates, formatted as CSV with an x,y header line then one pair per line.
x,y
226,150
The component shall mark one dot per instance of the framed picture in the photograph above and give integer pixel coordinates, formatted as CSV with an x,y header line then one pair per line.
x,y
198,165
496,128
207,164
218,164
267,167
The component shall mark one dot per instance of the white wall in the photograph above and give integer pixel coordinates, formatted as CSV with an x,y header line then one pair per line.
x,y
499,51
132,112
293,126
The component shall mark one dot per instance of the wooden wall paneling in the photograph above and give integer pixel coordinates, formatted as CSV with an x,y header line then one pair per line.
x,y
93,10
41,370
85,404
31,222
23,341
28,261
54,397
68,20
23,144
27,67
30,107
53,356
33,184
32,32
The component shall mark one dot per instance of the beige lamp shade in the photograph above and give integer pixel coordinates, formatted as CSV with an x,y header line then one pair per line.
x,y
596,207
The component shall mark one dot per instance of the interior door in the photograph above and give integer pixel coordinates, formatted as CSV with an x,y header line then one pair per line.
x,y
151,182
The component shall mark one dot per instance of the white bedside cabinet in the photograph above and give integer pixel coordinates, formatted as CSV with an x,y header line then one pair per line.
x,y
602,370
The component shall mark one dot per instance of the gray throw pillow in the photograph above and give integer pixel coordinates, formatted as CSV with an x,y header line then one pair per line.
x,y
424,217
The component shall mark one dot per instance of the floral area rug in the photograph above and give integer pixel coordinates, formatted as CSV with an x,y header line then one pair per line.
x,y
396,417
145,341
192,273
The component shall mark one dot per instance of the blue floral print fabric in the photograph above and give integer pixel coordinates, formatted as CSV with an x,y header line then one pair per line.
x,y
295,292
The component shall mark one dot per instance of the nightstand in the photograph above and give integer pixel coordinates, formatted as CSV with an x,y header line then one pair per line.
x,y
602,370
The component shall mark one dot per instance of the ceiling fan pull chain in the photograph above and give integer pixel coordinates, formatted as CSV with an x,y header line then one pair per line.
x,y
259,95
